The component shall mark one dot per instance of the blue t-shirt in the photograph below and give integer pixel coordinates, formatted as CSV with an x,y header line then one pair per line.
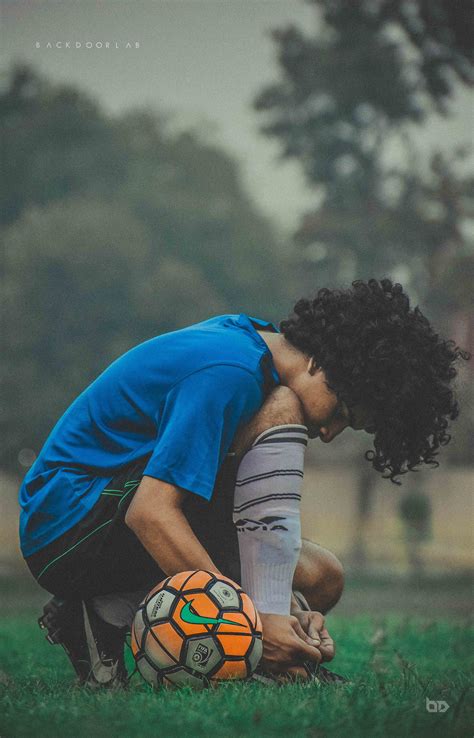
x,y
180,397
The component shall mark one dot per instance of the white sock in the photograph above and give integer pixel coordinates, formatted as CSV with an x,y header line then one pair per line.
x,y
267,515
118,608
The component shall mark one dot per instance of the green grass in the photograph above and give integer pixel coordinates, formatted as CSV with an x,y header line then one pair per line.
x,y
394,663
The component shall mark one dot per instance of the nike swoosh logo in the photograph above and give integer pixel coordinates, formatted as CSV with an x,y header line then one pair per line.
x,y
190,616
101,672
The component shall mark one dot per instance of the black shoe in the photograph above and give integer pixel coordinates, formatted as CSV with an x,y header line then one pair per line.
x,y
264,677
314,673
322,675
94,647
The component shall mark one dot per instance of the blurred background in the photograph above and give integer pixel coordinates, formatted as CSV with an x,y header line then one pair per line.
x,y
168,160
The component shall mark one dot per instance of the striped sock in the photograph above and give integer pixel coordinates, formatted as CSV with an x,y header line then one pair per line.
x,y
267,515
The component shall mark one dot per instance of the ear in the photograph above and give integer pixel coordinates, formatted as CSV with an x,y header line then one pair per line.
x,y
312,367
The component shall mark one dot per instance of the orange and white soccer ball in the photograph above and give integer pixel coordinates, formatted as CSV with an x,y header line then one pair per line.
x,y
196,628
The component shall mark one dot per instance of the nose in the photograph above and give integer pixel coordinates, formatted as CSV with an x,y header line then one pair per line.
x,y
325,435
329,433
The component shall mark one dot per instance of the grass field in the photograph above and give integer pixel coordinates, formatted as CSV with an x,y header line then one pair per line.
x,y
395,664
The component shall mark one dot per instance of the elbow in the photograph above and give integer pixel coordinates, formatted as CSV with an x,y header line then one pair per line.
x,y
133,518
140,517
129,520
153,504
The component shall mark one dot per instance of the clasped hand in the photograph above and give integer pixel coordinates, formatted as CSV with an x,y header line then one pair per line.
x,y
314,630
289,640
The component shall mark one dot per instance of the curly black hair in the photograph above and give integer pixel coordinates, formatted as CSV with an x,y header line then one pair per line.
x,y
378,352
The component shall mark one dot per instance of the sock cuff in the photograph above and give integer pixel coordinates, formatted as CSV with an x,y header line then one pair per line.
x,y
270,585
288,433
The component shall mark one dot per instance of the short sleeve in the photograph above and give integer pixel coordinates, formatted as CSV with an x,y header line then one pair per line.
x,y
197,423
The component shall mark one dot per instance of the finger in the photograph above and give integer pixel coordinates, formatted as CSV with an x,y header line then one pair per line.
x,y
327,646
315,624
325,637
303,650
299,630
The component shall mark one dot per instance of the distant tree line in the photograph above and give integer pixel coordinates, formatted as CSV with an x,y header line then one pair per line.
x,y
113,230
351,93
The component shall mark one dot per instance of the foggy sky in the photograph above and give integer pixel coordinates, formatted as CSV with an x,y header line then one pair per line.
x,y
204,60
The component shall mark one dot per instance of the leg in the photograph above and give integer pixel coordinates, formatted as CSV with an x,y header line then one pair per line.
x,y
267,500
99,571
81,568
319,576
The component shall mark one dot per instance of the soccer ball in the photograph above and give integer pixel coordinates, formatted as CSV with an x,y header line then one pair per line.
x,y
196,629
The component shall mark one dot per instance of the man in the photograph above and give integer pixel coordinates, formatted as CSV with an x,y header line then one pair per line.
x,y
188,451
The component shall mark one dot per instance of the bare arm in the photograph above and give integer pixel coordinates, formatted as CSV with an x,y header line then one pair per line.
x,y
155,516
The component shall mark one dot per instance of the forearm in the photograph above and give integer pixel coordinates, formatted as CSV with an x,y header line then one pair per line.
x,y
164,530
173,545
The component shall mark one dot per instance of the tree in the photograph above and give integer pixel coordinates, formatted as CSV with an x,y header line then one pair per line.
x,y
113,230
55,141
189,194
65,312
345,96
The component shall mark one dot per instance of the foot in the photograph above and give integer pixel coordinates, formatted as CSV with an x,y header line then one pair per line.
x,y
308,672
94,647
321,674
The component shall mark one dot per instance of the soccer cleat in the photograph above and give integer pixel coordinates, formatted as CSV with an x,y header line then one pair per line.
x,y
264,677
308,672
318,673
94,647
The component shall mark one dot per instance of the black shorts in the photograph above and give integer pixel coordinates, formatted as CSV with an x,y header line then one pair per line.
x,y
100,554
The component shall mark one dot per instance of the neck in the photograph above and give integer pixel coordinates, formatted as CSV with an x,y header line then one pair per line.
x,y
289,362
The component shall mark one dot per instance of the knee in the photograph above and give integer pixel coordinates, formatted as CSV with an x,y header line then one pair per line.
x,y
281,407
322,577
334,579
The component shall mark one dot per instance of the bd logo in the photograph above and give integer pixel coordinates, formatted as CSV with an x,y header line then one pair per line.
x,y
436,705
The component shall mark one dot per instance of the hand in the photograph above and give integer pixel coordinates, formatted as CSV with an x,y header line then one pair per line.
x,y
285,643
313,625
